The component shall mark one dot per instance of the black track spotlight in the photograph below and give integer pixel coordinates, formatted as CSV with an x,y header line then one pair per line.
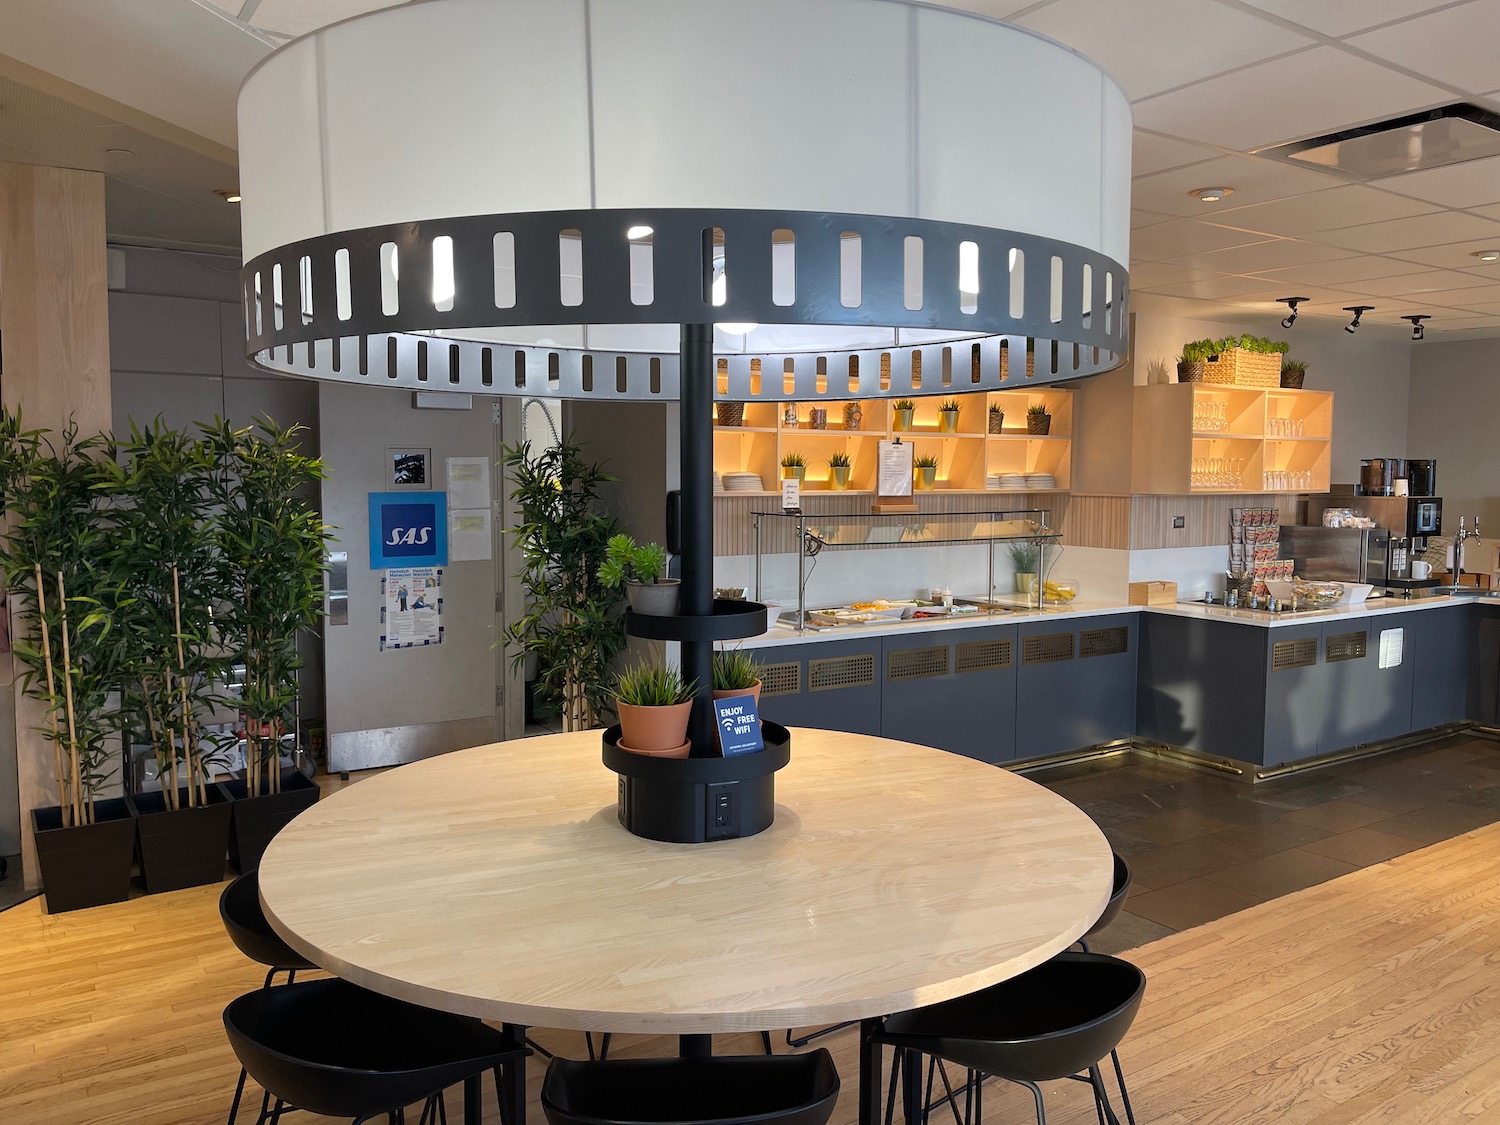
x,y
1417,331
1291,303
1358,311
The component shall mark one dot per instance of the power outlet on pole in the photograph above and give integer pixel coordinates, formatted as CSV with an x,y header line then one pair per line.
x,y
722,810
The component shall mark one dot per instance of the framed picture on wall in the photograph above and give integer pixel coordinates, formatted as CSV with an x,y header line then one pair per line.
x,y
408,468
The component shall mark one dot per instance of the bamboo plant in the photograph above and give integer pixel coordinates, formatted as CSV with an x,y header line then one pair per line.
x,y
164,541
269,571
570,623
57,558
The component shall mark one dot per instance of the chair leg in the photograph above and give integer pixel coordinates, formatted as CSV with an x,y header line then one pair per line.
x,y
1036,1093
765,1041
1114,1057
890,1097
1101,1096
239,1092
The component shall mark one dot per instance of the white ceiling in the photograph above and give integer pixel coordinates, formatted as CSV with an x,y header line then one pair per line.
x,y
1211,82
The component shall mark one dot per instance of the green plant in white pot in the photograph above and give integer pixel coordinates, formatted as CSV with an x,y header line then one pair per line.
x,y
59,563
639,568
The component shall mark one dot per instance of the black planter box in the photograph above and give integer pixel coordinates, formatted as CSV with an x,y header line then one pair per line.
x,y
181,847
696,800
257,819
88,864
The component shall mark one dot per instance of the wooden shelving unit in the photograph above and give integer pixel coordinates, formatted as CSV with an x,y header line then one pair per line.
x,y
966,456
1207,437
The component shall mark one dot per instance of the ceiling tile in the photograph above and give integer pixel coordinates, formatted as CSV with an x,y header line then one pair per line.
x,y
1212,288
1344,271
1253,181
1151,275
1474,183
1421,230
1457,43
995,9
1155,45
1150,152
1321,303
1301,95
1259,256
1182,236
1344,17
1454,256
1489,308
1322,210
1140,219
1430,281
1490,212
1454,298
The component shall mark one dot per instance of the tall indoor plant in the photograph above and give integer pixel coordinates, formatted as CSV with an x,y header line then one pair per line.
x,y
269,570
164,520
57,557
570,623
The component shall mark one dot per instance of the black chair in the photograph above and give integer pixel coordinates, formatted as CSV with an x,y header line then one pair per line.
x,y
724,1090
1116,903
333,1048
1057,1020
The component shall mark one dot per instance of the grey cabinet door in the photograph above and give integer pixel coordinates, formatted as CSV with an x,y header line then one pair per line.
x,y
1203,685
1437,644
1297,695
954,689
1365,703
831,685
1075,683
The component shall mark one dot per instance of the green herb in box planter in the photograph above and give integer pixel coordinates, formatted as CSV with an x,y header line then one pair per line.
x,y
58,558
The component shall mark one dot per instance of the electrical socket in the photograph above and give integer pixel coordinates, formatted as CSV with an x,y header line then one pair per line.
x,y
721,810
1179,521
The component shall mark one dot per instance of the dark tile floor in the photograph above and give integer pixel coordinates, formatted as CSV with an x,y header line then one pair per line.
x,y
1203,844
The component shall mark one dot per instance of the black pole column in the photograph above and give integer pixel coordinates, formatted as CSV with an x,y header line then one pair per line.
x,y
697,453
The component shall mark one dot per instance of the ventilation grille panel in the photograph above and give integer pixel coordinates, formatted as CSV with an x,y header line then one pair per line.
x,y
1294,654
1045,650
1104,642
781,679
917,663
1346,646
979,656
841,672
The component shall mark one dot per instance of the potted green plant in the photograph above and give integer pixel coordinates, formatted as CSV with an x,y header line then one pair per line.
x,y
793,465
639,568
1025,560
570,625
58,558
654,705
901,412
729,413
1038,421
164,543
269,567
1190,364
1293,371
925,469
948,416
735,672
839,466
997,418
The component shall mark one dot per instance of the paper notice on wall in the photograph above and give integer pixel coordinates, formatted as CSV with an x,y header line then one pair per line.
x,y
469,482
411,611
469,534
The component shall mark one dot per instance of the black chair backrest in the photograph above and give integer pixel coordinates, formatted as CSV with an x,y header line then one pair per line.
x,y
246,924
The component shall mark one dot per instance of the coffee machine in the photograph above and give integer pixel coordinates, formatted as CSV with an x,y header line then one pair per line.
x,y
1411,521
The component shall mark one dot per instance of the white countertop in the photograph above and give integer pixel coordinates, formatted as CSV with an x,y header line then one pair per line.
x,y
783,634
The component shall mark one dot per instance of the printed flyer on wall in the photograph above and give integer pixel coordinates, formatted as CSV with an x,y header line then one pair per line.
x,y
412,613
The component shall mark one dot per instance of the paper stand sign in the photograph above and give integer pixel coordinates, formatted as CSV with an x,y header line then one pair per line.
x,y
893,478
737,721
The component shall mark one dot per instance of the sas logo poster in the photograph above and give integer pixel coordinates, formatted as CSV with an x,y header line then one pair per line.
x,y
408,530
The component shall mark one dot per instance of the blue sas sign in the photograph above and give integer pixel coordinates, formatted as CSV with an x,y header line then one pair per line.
x,y
408,529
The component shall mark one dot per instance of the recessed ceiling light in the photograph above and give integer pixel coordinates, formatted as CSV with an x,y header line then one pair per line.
x,y
119,152
1211,194
1487,255
226,195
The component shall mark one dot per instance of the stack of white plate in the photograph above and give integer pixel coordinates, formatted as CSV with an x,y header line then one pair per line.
x,y
1007,480
718,483
743,482
992,481
1040,480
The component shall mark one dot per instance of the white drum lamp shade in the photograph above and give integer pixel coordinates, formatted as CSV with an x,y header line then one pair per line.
x,y
530,196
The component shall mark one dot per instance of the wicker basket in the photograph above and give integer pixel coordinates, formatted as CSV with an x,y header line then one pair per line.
x,y
1190,372
730,413
1242,368
1038,423
1292,380
997,421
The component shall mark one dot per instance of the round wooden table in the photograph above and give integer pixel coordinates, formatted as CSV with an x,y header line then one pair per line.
x,y
497,882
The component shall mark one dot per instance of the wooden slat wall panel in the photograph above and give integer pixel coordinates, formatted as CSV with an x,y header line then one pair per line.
x,y
1207,519
1098,521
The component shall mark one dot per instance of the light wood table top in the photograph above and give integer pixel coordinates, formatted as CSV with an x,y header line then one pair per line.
x,y
497,882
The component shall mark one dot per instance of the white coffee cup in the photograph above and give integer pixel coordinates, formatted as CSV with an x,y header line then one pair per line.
x,y
1400,485
1421,568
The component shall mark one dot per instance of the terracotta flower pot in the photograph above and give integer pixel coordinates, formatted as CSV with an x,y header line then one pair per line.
x,y
683,751
653,729
752,690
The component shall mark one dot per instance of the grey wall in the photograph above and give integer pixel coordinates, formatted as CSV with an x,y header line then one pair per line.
x,y
1454,407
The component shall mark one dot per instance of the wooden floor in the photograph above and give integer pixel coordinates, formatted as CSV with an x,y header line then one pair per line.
x,y
1374,997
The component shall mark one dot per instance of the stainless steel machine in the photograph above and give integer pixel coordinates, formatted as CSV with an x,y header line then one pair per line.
x,y
1340,554
1409,521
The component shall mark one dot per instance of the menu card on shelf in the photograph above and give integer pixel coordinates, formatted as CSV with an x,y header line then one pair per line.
x,y
893,479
